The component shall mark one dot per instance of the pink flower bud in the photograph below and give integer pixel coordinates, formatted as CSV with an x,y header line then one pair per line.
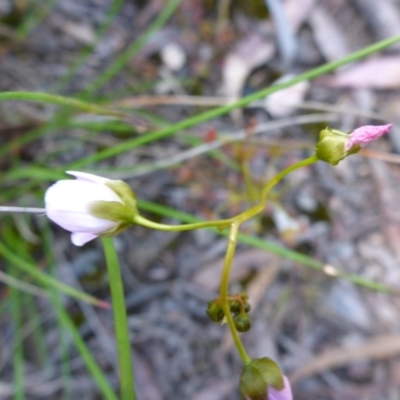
x,y
365,134
89,206
284,394
334,145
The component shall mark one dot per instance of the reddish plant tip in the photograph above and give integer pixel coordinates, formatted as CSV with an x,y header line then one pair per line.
x,y
103,304
365,134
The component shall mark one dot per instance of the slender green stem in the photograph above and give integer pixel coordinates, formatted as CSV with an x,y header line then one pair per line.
x,y
250,213
18,351
67,327
220,224
224,290
278,177
84,351
62,101
121,321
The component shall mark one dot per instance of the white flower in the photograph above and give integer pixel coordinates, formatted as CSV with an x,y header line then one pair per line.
x,y
90,206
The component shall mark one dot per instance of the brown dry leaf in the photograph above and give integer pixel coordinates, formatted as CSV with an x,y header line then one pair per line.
x,y
380,347
297,11
328,34
145,375
382,16
380,155
377,73
252,51
209,276
284,102
388,197
79,31
262,281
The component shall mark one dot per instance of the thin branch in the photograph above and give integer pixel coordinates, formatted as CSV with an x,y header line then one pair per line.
x,y
32,210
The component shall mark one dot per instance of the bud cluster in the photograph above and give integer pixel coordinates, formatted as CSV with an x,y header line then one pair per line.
x,y
238,306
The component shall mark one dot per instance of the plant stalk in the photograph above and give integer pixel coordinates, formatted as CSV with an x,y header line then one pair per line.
x,y
127,383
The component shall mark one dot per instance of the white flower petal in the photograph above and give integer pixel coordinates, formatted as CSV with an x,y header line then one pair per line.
x,y
73,195
84,176
67,204
79,221
80,238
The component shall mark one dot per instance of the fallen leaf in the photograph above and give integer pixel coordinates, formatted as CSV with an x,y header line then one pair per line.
x,y
284,102
252,51
377,73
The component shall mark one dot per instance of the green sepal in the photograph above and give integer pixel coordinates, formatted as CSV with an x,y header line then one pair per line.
x,y
122,213
125,193
331,146
257,376
215,312
111,211
116,230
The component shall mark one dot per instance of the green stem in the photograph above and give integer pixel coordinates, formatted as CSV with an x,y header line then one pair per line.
x,y
62,101
220,224
277,178
121,321
244,216
224,291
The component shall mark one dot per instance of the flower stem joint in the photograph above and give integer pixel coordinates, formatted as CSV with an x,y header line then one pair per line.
x,y
334,145
91,206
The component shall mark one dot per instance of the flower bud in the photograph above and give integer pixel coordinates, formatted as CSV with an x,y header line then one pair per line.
x,y
360,137
90,206
334,145
262,379
247,307
242,322
215,311
235,306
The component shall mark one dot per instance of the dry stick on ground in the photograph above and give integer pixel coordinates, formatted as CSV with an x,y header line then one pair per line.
x,y
212,101
381,347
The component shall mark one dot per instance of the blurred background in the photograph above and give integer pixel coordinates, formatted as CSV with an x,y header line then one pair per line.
x,y
161,62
